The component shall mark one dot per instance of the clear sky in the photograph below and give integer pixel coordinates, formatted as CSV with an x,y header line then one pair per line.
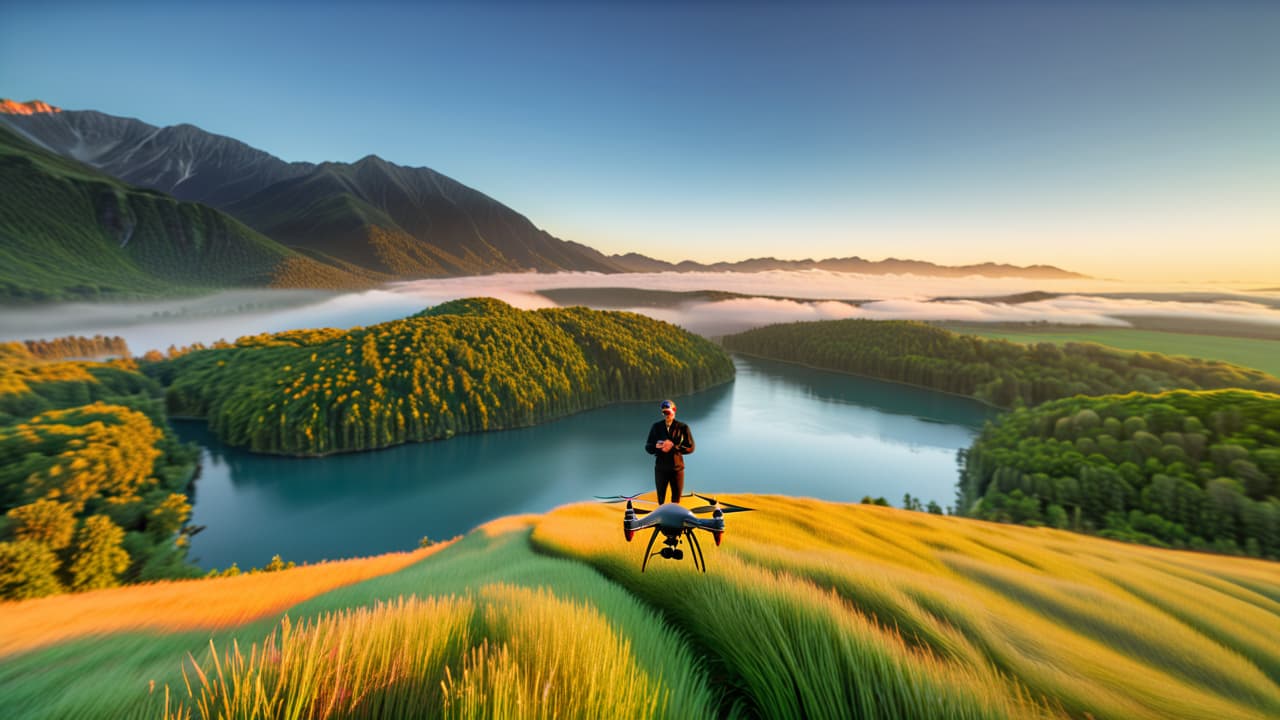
x,y
1121,139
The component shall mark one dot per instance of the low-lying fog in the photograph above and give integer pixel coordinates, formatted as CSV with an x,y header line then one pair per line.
x,y
815,295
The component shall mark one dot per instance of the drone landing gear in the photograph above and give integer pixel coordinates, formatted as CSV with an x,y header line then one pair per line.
x,y
672,550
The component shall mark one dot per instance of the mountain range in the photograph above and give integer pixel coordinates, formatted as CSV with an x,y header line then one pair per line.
x,y
329,224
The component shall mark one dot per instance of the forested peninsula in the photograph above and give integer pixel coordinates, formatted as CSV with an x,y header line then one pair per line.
x,y
1180,469
1191,460
92,480
998,372
463,366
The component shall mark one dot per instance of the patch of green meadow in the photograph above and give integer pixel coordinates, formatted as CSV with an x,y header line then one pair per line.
x,y
1257,353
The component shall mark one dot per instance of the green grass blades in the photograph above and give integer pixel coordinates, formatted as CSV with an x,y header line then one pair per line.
x,y
821,610
505,652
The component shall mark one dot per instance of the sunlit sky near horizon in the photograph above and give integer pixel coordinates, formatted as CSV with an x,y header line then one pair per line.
x,y
1134,140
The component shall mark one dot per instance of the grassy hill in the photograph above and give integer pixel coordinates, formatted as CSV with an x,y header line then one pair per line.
x,y
1262,353
809,609
69,232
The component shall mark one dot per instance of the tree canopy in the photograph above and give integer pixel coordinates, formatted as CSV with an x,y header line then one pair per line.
x,y
1002,373
1181,468
92,480
463,366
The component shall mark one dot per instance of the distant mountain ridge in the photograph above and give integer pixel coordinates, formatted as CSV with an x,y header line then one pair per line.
x,y
391,220
68,231
633,262
371,218
182,160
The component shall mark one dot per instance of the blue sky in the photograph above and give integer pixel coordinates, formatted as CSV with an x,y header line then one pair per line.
x,y
1119,139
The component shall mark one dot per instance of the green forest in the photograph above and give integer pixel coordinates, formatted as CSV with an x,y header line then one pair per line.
x,y
464,366
998,372
1179,469
1189,458
92,481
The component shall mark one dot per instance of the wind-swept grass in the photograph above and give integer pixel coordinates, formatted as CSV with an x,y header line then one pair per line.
x,y
209,603
809,609
826,610
494,568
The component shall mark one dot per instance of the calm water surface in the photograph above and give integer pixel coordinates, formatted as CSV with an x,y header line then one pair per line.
x,y
777,428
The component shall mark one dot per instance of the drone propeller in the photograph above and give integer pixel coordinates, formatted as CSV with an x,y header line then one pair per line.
x,y
621,498
724,507
628,499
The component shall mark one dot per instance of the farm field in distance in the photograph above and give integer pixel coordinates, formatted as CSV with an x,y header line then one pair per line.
x,y
1258,353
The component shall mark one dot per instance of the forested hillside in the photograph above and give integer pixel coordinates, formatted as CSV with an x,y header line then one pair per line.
x,y
464,366
1002,373
1184,469
70,232
92,481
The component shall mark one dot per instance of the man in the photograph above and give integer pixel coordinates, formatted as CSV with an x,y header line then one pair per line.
x,y
669,441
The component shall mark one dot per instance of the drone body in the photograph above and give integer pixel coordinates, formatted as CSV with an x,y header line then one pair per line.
x,y
675,521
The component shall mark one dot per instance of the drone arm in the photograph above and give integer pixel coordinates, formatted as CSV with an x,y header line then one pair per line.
x,y
648,522
648,549
696,550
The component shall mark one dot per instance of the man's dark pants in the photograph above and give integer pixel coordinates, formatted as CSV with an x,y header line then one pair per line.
x,y
669,477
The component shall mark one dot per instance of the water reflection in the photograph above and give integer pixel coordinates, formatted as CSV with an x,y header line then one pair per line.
x,y
778,428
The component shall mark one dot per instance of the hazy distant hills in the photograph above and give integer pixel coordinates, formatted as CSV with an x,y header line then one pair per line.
x,y
633,262
367,221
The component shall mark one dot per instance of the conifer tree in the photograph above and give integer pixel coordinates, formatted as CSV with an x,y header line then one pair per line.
x,y
99,559
47,522
27,570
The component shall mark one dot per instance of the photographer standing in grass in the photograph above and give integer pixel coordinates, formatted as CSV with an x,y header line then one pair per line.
x,y
669,441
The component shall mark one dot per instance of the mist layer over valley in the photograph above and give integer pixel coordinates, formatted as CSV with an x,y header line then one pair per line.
x,y
710,304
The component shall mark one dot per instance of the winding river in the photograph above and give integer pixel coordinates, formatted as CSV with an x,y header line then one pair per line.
x,y
777,428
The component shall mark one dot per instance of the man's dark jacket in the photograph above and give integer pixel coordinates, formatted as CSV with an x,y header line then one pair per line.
x,y
678,434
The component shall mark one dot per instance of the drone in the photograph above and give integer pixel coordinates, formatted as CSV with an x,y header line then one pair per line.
x,y
674,521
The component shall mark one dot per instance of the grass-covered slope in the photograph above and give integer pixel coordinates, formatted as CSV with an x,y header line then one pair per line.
x,y
809,609
1002,373
1181,468
812,609
464,366
70,232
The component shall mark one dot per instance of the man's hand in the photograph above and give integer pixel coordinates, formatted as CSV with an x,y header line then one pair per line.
x,y
666,445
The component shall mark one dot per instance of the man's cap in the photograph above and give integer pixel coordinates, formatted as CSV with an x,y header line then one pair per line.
x,y
667,404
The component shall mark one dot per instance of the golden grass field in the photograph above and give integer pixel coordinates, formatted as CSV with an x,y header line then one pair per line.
x,y
810,609
208,603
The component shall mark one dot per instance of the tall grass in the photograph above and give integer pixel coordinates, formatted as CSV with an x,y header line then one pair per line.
x,y
825,610
487,655
809,609
109,676
208,603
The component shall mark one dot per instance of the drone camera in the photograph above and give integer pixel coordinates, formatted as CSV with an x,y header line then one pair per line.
x,y
672,553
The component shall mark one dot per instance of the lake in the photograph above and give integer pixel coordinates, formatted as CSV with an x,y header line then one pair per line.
x,y
777,428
